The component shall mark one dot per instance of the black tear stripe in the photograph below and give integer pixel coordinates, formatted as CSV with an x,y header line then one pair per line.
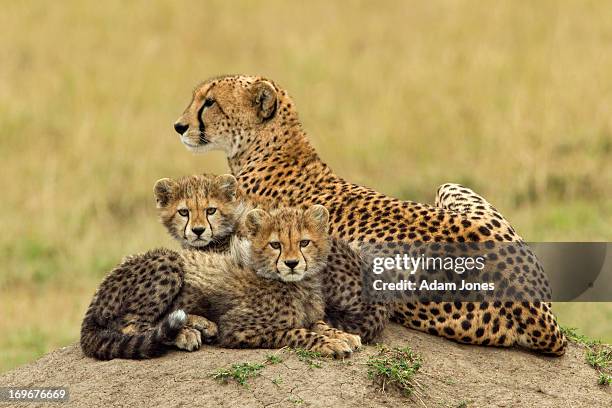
x,y
212,232
185,227
200,120
201,110
280,251
303,256
201,125
197,203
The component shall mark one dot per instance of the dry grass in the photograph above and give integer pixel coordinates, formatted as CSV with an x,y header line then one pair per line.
x,y
512,99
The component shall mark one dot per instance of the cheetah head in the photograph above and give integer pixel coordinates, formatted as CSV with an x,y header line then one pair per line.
x,y
226,112
287,244
198,210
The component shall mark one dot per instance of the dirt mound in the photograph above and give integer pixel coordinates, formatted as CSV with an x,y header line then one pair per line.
x,y
452,375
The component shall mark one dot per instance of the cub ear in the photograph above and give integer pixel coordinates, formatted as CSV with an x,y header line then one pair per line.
x,y
319,216
164,191
255,220
264,99
227,185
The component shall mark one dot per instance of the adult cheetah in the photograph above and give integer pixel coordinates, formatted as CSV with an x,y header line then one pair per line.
x,y
255,123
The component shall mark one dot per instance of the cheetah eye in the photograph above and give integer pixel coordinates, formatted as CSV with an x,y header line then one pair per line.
x,y
275,245
209,102
183,212
304,243
211,210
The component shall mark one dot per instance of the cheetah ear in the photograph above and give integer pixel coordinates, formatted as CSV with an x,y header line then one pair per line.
x,y
255,220
319,216
227,185
164,191
264,99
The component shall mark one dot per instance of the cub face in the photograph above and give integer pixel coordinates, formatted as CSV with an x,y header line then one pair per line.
x,y
197,210
224,110
287,244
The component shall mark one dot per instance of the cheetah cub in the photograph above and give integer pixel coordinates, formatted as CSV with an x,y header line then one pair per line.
x,y
200,211
270,294
265,291
214,208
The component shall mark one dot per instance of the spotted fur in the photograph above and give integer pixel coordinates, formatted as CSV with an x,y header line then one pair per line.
x,y
255,295
255,123
200,211
354,313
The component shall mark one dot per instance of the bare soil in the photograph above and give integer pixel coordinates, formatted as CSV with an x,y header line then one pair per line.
x,y
453,375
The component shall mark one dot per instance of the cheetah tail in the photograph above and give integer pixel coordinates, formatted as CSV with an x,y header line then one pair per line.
x,y
104,343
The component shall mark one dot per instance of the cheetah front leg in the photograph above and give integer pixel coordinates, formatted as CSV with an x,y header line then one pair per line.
x,y
254,337
197,331
310,340
363,319
207,329
353,340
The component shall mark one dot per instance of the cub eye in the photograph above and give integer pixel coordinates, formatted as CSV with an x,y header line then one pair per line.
x,y
209,102
304,243
211,210
183,212
275,245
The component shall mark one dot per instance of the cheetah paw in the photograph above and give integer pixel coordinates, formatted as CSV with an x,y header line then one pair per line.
x,y
333,348
188,339
352,340
207,329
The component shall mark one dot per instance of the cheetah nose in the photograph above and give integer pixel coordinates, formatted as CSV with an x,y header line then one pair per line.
x,y
198,230
180,128
292,263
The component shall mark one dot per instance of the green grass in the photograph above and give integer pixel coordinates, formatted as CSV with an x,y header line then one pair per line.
x,y
395,368
573,335
311,358
23,343
240,373
273,359
296,400
600,358
604,379
597,354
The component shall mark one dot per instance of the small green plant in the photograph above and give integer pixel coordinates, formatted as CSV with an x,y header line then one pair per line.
x,y
395,367
604,379
312,358
296,400
240,373
598,355
572,335
304,354
273,359
449,381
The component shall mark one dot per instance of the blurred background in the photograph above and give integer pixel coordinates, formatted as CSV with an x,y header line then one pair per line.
x,y
513,100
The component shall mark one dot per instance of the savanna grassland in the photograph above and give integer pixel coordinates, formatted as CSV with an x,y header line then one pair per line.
x,y
513,100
